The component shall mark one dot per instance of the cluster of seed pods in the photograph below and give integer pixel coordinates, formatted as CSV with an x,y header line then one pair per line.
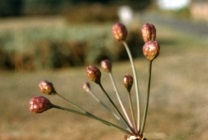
x,y
131,124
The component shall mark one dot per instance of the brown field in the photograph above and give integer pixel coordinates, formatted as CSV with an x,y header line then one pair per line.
x,y
178,103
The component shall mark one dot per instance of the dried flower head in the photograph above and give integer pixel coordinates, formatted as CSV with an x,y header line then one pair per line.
x,y
106,65
39,104
93,74
128,82
119,31
148,32
47,87
151,50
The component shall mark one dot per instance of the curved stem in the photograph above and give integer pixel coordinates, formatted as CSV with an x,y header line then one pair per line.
x,y
119,100
87,114
147,100
111,101
136,83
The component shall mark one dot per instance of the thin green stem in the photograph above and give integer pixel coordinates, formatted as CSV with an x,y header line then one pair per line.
x,y
111,101
72,104
131,109
136,83
147,99
106,107
87,114
119,100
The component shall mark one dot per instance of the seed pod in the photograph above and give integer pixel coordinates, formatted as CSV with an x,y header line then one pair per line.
x,y
148,32
128,82
151,50
47,87
153,32
86,87
119,31
93,74
39,104
106,65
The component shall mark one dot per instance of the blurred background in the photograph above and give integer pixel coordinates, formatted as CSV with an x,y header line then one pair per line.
x,y
39,34
56,39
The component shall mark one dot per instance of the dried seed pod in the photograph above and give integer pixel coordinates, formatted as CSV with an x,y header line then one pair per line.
x,y
119,31
47,87
93,74
128,82
151,50
106,65
39,104
148,32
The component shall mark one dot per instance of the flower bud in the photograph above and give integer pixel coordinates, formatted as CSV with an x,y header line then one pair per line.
x,y
151,50
86,87
119,31
93,74
106,65
47,87
39,104
128,82
148,32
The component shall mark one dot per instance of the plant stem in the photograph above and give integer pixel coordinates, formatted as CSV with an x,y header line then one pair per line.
x,y
119,100
87,114
147,99
136,83
72,104
111,101
131,109
106,107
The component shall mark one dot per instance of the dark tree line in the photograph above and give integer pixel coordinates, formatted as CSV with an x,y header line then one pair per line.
x,y
24,7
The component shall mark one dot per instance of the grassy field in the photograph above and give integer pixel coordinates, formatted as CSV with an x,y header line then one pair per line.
x,y
178,104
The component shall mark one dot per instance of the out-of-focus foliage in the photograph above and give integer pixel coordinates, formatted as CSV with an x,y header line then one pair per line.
x,y
46,7
69,45
95,13
11,7
85,38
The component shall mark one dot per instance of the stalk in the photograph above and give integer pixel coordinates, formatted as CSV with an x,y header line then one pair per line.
x,y
131,109
72,104
147,99
136,83
111,101
119,100
89,115
83,111
106,107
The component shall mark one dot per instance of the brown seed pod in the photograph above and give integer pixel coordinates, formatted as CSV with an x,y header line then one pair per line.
x,y
86,86
47,87
119,31
148,32
106,65
93,73
151,50
128,82
39,104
